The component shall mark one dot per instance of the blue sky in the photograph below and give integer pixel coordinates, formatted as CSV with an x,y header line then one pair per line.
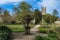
x,y
36,4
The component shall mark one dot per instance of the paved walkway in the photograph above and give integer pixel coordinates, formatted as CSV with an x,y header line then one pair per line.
x,y
35,28
21,36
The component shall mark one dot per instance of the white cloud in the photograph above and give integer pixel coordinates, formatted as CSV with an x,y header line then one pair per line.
x,y
10,1
49,4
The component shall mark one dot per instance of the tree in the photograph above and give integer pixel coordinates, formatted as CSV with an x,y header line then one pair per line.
x,y
6,17
50,18
25,8
18,14
55,12
23,11
1,11
38,16
1,21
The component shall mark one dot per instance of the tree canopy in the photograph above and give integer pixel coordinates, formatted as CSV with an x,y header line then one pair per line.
x,y
38,16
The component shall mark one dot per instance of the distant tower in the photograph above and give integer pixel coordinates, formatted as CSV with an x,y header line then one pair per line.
x,y
43,10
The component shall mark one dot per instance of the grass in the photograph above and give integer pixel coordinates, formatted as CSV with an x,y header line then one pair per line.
x,y
16,28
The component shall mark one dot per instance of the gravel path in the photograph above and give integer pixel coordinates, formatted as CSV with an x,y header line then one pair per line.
x,y
22,36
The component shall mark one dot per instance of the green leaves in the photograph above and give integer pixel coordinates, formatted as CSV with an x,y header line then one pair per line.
x,y
6,17
55,12
38,38
38,16
5,33
50,18
48,37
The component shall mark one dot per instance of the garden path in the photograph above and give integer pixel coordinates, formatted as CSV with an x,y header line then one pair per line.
x,y
35,28
22,36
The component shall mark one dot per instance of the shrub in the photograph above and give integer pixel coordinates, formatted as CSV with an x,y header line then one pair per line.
x,y
52,31
44,29
41,38
38,38
48,37
53,36
58,31
5,33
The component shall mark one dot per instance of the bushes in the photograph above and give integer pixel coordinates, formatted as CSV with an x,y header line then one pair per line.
x,y
5,33
44,29
52,31
52,35
48,37
58,31
41,38
38,38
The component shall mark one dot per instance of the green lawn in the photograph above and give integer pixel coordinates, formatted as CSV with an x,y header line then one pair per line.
x,y
17,28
